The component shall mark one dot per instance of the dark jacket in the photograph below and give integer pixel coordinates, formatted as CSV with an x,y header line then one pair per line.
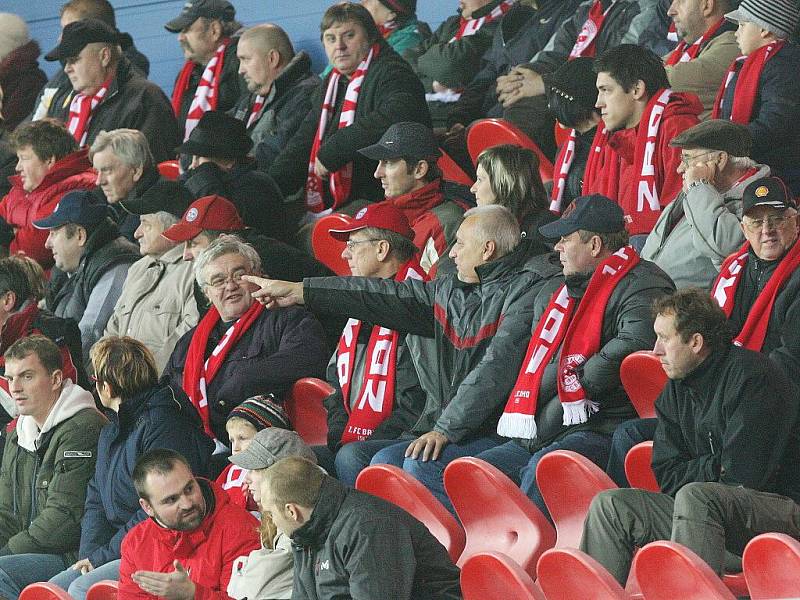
x,y
160,417
523,31
285,107
280,347
135,103
8,165
391,93
574,187
257,198
151,190
475,328
627,327
734,419
358,546
21,80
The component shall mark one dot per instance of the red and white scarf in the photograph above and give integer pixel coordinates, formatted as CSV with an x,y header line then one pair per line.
x,y
80,112
685,52
581,331
563,164
232,480
602,160
469,27
256,110
198,373
754,330
341,181
206,95
388,28
585,44
746,92
378,386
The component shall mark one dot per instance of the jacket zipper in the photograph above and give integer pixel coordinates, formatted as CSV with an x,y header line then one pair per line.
x,y
711,443
33,489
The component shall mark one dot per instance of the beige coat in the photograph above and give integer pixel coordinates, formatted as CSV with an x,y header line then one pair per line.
x,y
264,574
157,304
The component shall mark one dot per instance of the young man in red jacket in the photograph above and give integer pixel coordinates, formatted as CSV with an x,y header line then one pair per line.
x,y
186,549
631,160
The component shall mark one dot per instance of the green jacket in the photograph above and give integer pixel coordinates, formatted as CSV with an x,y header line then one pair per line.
x,y
44,477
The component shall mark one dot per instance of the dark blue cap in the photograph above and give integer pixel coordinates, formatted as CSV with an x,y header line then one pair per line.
x,y
595,213
80,207
404,140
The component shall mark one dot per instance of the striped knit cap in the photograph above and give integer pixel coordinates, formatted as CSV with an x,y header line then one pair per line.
x,y
777,16
262,412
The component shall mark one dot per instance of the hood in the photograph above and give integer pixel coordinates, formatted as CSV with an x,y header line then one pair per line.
x,y
71,164
298,68
167,399
72,400
737,191
20,59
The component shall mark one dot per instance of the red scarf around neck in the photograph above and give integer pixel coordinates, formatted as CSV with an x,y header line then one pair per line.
x,y
578,332
199,373
561,171
255,110
81,109
387,29
685,52
468,27
746,92
380,370
602,160
206,95
754,330
586,45
341,181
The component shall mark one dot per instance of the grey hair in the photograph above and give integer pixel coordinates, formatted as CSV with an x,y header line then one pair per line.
x,y
225,244
498,224
742,162
129,145
166,219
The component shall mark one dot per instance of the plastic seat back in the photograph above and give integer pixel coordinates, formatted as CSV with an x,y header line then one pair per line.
x,y
494,576
666,571
304,406
452,172
496,515
494,132
772,566
169,169
568,573
106,589
44,591
568,482
639,469
327,250
400,488
643,379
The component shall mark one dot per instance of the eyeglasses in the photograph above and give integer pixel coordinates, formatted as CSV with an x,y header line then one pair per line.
x,y
773,222
685,159
219,282
351,244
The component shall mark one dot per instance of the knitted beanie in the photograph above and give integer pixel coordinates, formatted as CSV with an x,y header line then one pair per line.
x,y
262,412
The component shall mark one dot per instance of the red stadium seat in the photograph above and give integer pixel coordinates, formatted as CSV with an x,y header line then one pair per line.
x,y
44,591
667,571
493,132
452,172
306,412
494,576
643,379
400,488
169,169
638,467
496,515
772,566
103,590
568,482
568,573
327,250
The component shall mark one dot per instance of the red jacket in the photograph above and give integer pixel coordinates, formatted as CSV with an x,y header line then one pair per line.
x,y
20,208
208,552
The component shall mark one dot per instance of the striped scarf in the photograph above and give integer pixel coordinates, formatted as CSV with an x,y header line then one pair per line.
x,y
255,110
80,112
563,165
206,95
468,27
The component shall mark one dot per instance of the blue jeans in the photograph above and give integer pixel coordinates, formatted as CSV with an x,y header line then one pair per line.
x,y
77,585
626,436
351,458
430,473
20,570
520,465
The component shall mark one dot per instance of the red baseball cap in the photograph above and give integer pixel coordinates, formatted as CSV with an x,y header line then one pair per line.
x,y
209,212
382,215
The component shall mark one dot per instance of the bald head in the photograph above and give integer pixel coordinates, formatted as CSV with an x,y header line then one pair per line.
x,y
263,52
265,37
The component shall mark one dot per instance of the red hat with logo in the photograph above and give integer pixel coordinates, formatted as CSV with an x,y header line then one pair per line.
x,y
209,212
382,215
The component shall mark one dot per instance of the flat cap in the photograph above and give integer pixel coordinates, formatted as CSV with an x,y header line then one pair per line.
x,y
716,134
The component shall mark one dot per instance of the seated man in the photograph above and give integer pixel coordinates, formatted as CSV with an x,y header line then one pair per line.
x,y
479,319
370,88
156,305
374,398
761,88
238,349
49,164
368,545
92,262
186,549
700,228
107,91
725,454
280,83
412,182
631,160
568,395
128,177
47,463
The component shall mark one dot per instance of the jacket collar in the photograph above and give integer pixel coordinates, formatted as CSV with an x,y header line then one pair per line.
x,y
705,376
71,164
314,532
298,68
420,201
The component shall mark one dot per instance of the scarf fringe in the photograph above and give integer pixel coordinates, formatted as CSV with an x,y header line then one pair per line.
x,y
579,411
517,425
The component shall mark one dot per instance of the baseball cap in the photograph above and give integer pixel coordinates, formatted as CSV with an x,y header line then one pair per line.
x,y
767,191
194,9
269,446
382,215
76,35
80,207
209,212
595,213
406,139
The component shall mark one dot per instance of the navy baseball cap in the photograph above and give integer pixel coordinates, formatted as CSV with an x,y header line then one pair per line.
x,y
80,207
404,140
595,213
194,9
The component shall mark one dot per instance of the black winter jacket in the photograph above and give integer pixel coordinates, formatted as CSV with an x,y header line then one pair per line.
x,y
358,546
734,419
